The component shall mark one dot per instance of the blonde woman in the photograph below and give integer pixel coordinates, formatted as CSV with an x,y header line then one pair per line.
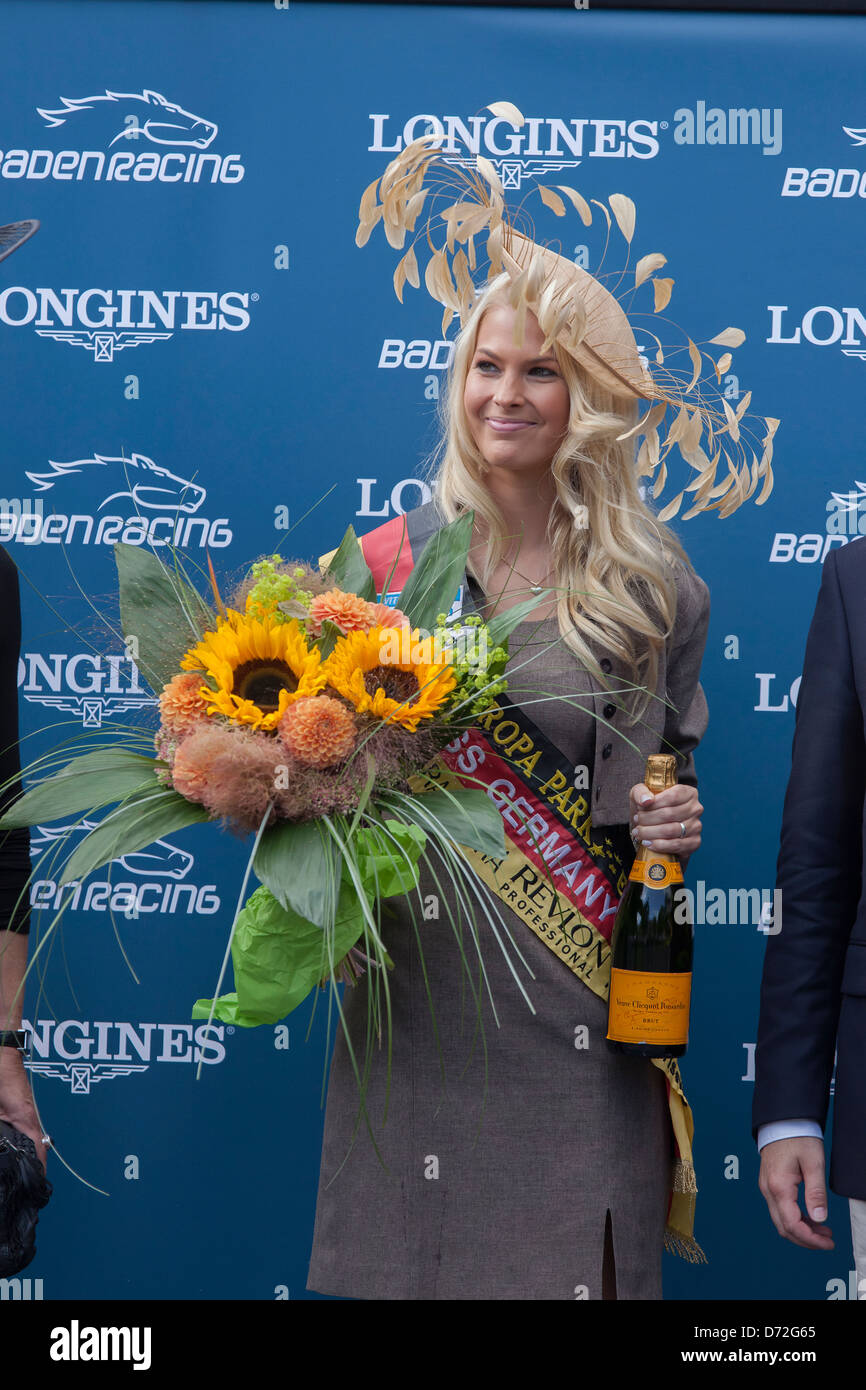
x,y
527,1160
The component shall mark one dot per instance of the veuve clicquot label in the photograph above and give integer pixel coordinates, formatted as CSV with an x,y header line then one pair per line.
x,y
649,1006
656,873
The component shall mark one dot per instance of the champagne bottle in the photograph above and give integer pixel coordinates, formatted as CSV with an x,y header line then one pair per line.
x,y
651,948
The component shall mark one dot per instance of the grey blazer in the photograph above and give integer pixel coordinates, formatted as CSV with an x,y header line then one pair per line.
x,y
675,720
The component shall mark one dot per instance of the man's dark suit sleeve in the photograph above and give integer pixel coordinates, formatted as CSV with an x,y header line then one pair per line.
x,y
819,874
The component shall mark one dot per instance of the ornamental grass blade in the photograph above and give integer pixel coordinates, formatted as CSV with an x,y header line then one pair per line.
x,y
468,817
296,864
134,826
94,780
160,613
435,579
503,624
349,568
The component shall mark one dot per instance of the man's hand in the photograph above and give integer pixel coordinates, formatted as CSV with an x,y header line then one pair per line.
x,y
784,1165
16,1100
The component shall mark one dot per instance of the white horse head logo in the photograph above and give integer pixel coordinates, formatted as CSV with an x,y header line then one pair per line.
x,y
134,115
151,487
159,860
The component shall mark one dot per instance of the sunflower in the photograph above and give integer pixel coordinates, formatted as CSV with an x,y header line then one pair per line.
x,y
259,668
391,673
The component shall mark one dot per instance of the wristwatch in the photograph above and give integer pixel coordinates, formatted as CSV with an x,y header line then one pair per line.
x,y
13,1039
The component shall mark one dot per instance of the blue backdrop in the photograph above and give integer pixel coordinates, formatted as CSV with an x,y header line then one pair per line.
x,y
194,303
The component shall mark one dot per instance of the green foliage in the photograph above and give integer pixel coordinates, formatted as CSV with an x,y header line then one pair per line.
x,y
279,956
161,614
87,783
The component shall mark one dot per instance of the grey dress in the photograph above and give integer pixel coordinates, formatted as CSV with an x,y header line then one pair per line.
x,y
503,1193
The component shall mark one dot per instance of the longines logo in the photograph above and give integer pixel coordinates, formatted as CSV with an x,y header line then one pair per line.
x,y
542,146
823,325
92,686
163,507
179,142
153,880
81,1053
111,320
546,145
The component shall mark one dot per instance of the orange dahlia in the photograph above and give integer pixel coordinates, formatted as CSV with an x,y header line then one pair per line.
x,y
350,613
318,732
181,706
383,616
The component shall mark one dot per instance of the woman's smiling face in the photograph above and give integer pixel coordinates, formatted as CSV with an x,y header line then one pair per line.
x,y
516,401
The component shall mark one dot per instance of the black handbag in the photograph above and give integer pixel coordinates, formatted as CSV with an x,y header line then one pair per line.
x,y
24,1191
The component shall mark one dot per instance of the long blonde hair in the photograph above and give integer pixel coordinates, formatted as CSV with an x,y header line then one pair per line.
x,y
615,573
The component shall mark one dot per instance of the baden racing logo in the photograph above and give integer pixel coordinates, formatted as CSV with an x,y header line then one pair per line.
x,y
152,880
81,1053
829,182
111,320
163,507
120,137
845,521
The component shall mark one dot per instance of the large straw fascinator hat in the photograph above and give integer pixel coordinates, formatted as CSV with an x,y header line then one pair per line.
x,y
576,311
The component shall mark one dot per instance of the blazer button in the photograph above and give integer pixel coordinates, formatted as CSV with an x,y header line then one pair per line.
x,y
607,750
605,664
609,711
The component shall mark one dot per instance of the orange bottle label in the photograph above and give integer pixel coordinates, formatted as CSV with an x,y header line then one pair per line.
x,y
656,873
649,1006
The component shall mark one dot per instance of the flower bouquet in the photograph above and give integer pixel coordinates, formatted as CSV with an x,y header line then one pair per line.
x,y
301,711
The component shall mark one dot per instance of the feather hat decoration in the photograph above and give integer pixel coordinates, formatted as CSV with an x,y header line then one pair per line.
x,y
576,311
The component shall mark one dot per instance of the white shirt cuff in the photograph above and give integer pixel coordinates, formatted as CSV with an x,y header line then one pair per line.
x,y
788,1129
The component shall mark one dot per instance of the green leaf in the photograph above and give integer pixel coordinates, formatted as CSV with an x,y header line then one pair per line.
x,y
473,821
160,611
502,626
349,567
134,826
87,783
278,958
383,867
438,573
296,864
329,638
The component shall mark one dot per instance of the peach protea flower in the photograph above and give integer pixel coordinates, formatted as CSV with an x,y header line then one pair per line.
x,y
191,768
181,706
348,611
229,770
318,732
